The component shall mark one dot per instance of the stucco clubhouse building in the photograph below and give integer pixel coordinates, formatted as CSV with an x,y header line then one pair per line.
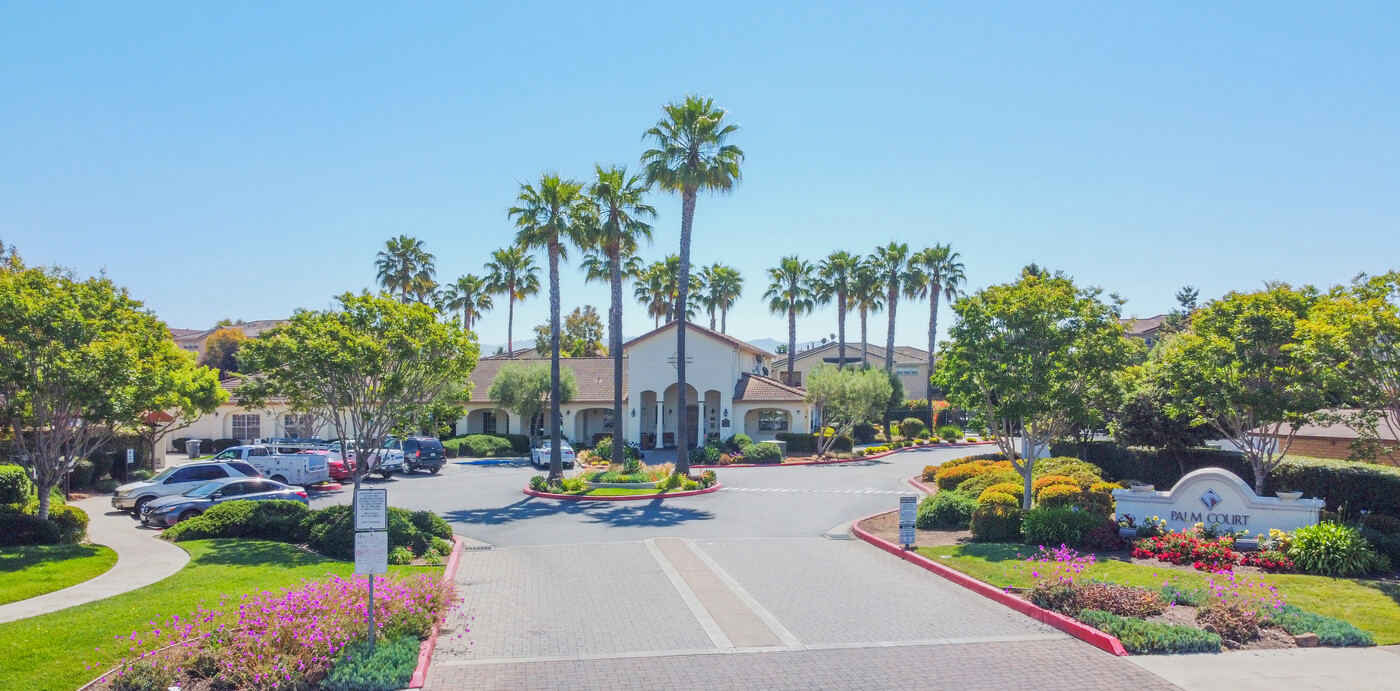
x,y
730,388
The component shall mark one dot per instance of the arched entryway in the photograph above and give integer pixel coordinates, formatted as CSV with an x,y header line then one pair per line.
x,y
767,423
671,417
591,424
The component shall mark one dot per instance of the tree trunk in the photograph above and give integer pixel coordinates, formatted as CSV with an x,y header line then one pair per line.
x,y
893,298
792,340
932,337
510,322
864,340
682,296
466,319
712,319
724,320
556,456
615,325
840,330
44,500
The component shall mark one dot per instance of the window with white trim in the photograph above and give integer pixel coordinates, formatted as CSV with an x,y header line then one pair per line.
x,y
247,427
772,421
906,370
297,426
488,422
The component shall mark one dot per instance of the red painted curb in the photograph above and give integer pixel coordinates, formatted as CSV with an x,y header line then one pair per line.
x,y
1083,632
891,452
425,651
626,497
918,484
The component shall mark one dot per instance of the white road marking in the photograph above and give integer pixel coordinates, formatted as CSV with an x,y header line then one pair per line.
x,y
813,491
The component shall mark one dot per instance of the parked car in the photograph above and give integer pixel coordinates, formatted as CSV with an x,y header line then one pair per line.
x,y
168,511
540,457
293,468
177,479
419,453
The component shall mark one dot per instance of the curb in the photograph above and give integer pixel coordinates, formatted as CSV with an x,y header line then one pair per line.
x,y
625,497
919,485
1083,632
891,452
425,650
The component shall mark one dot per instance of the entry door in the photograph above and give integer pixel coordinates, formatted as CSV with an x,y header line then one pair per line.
x,y
692,424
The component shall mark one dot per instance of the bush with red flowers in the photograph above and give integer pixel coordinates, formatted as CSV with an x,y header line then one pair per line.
x,y
1185,548
1270,560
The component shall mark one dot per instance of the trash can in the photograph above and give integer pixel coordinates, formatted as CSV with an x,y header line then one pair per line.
x,y
192,448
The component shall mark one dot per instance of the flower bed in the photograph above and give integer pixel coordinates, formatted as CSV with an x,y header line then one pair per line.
x,y
666,480
291,639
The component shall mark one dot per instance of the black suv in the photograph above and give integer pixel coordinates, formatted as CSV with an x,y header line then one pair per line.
x,y
423,453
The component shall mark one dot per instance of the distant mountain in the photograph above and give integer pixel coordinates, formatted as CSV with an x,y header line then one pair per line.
x,y
771,344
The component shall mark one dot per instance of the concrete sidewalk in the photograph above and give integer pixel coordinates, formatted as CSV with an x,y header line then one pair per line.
x,y
142,559
1332,669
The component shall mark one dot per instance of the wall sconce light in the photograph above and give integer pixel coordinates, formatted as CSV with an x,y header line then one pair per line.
x,y
634,412
726,412
669,411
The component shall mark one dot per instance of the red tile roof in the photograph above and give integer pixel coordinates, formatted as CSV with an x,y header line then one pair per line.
x,y
693,327
902,354
754,387
594,376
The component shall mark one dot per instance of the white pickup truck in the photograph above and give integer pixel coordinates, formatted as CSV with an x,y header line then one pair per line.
x,y
287,468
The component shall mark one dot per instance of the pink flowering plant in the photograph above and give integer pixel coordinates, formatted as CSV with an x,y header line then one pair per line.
x,y
286,640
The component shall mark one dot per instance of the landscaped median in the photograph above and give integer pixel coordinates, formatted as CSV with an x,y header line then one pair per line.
x,y
631,481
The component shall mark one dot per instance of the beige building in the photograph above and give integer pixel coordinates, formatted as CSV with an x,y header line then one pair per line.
x,y
910,364
193,340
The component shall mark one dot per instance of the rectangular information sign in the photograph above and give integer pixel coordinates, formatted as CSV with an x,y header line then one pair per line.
x,y
372,509
908,506
372,552
906,537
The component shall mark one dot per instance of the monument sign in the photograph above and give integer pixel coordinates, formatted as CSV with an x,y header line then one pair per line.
x,y
1214,496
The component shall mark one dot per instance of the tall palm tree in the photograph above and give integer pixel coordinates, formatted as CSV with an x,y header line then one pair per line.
x,y
708,299
547,217
653,291
867,295
619,213
726,285
472,295
790,291
835,278
513,273
690,154
405,267
597,268
893,261
940,274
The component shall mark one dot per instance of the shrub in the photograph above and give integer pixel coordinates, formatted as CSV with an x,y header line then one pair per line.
x,y
708,478
1064,465
996,524
1122,600
479,446
798,443
1329,631
277,520
930,472
765,452
1388,525
222,444
18,529
945,511
72,523
951,477
81,474
15,487
911,427
1232,620
1015,489
1185,548
1105,487
538,483
102,465
573,484
973,487
1058,526
1333,549
140,475
864,433
603,451
950,432
1043,481
431,524
1387,544
178,444
738,441
519,443
669,482
400,556
1104,537
1059,496
331,531
388,668
705,455
689,485
1144,637
993,498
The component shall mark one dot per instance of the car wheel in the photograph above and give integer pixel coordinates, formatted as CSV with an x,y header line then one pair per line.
x,y
434,470
386,474
141,504
188,515
278,478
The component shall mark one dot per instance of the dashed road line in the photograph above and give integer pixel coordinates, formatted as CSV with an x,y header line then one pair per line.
x,y
812,491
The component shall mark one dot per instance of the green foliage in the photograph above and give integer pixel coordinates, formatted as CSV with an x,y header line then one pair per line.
x,y
603,451
846,397
429,523
277,519
950,432
708,478
1333,549
945,511
331,531
400,556
705,455
539,483
1143,419
1329,631
1059,496
1234,621
763,452
81,474
670,482
996,524
737,442
1145,637
479,446
911,427
15,487
388,668
864,433
1053,527
72,523
18,529
523,388
975,486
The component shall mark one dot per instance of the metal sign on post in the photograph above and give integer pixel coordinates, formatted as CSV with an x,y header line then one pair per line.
x,y
372,509
908,508
371,541
371,552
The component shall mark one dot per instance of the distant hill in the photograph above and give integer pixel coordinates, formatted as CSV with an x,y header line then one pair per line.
x,y
771,344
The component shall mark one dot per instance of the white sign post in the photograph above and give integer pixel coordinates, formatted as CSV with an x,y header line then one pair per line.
x,y
371,541
908,507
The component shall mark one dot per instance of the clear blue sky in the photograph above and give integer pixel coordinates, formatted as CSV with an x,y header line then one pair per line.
x,y
244,160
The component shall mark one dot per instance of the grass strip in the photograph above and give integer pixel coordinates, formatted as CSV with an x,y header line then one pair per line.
x,y
34,570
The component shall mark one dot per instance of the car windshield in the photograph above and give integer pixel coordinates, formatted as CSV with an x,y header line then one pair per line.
x,y
162,475
204,490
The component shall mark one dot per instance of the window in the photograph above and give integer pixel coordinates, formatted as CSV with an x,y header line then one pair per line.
x,y
772,421
607,419
906,370
488,422
298,426
537,426
257,452
209,472
247,426
234,489
246,469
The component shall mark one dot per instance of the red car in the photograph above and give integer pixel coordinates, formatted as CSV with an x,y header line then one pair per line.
x,y
337,468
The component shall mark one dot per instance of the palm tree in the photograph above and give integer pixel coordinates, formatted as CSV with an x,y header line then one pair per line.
x,y
726,285
835,278
708,299
405,267
472,295
597,268
790,291
867,295
939,274
895,272
619,214
653,292
690,154
513,273
548,217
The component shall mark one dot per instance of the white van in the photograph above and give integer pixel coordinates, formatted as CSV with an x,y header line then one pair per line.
x,y
287,468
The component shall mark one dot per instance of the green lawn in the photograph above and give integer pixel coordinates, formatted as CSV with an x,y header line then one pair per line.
x,y
30,571
52,652
1369,604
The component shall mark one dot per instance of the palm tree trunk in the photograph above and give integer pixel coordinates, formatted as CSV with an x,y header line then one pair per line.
x,y
792,341
466,319
712,319
615,325
932,335
510,321
864,341
841,330
556,457
682,295
893,298
723,319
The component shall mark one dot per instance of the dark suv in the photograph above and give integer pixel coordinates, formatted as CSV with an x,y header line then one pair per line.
x,y
423,453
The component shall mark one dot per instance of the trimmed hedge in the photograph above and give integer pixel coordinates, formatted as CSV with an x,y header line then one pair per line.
x,y
478,446
274,519
996,524
1146,637
1058,526
945,510
763,452
737,442
71,521
15,487
18,529
329,531
798,443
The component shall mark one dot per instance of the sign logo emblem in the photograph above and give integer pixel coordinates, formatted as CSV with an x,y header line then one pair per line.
x,y
1211,499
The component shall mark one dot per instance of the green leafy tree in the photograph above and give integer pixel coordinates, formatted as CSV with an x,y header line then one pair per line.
x,y
366,367
405,267
471,295
897,275
836,276
221,350
526,389
513,273
548,216
1143,417
1028,355
582,335
790,292
937,274
1179,319
691,152
845,398
80,361
1240,369
179,392
868,295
